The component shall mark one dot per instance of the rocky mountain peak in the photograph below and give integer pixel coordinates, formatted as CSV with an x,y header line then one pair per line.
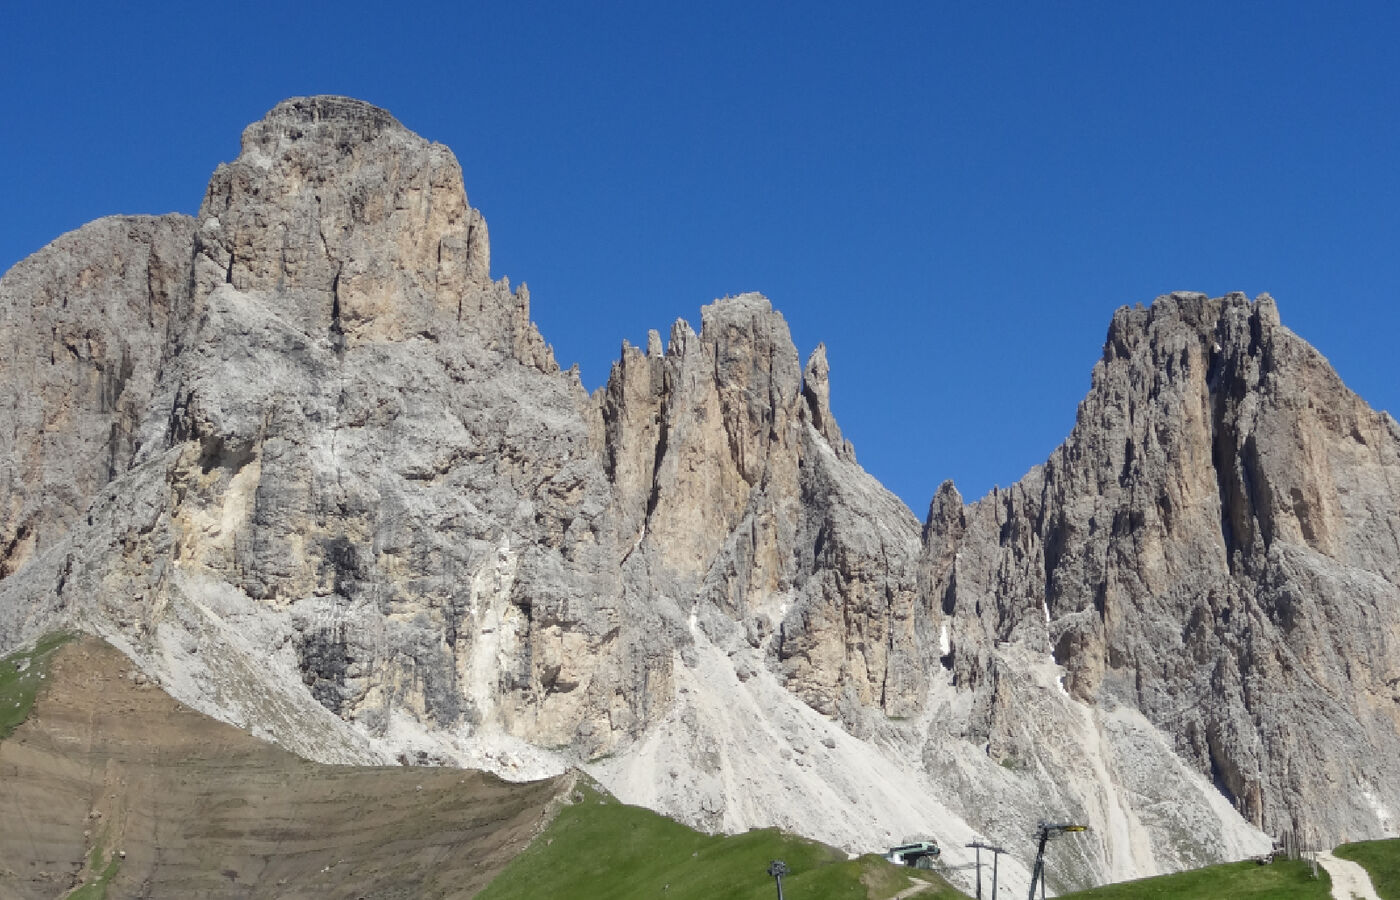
x,y
304,460
358,226
328,119
1221,496
816,390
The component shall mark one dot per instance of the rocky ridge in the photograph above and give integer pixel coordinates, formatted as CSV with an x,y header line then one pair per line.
x,y
305,461
1216,545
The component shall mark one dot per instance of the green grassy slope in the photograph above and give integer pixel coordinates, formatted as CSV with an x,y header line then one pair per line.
x,y
20,676
1381,859
599,848
1281,880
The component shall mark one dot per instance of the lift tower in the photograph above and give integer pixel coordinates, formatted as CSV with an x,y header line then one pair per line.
x,y
1044,833
979,846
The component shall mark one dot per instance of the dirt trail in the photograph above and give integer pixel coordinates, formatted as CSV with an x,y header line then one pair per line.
x,y
111,776
1349,880
915,887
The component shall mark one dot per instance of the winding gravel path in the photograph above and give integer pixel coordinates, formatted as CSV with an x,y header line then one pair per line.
x,y
1349,879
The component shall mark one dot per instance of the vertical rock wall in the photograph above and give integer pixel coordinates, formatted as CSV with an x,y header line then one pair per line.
x,y
1214,545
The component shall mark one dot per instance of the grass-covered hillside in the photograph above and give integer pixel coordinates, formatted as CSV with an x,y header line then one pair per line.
x,y
599,848
21,673
1381,860
1280,880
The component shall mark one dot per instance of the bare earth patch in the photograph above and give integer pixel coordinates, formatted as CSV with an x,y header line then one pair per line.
x,y
111,785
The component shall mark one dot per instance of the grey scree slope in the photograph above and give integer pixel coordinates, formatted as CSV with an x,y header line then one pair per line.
x,y
305,462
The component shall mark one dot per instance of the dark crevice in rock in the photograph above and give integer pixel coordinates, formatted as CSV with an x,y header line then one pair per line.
x,y
1256,494
1219,775
337,329
341,561
1222,458
323,658
950,594
118,440
12,549
662,437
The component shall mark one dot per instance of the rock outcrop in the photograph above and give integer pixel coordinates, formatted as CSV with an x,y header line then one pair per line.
x,y
1217,545
85,325
307,463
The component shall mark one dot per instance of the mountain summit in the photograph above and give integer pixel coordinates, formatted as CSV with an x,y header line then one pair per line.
x,y
307,464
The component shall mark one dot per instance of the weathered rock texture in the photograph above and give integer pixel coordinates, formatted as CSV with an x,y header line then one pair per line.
x,y
85,325
307,463
1216,545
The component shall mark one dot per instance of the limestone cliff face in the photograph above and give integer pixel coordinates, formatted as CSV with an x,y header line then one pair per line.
x,y
308,463
1215,545
333,450
361,445
740,504
85,325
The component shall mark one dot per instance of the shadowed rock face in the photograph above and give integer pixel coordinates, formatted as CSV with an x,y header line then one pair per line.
x,y
85,325
305,460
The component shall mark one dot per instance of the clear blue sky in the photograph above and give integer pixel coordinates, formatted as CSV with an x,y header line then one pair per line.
x,y
954,197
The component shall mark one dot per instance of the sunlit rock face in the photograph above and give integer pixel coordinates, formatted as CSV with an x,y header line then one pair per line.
x,y
1215,545
307,463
